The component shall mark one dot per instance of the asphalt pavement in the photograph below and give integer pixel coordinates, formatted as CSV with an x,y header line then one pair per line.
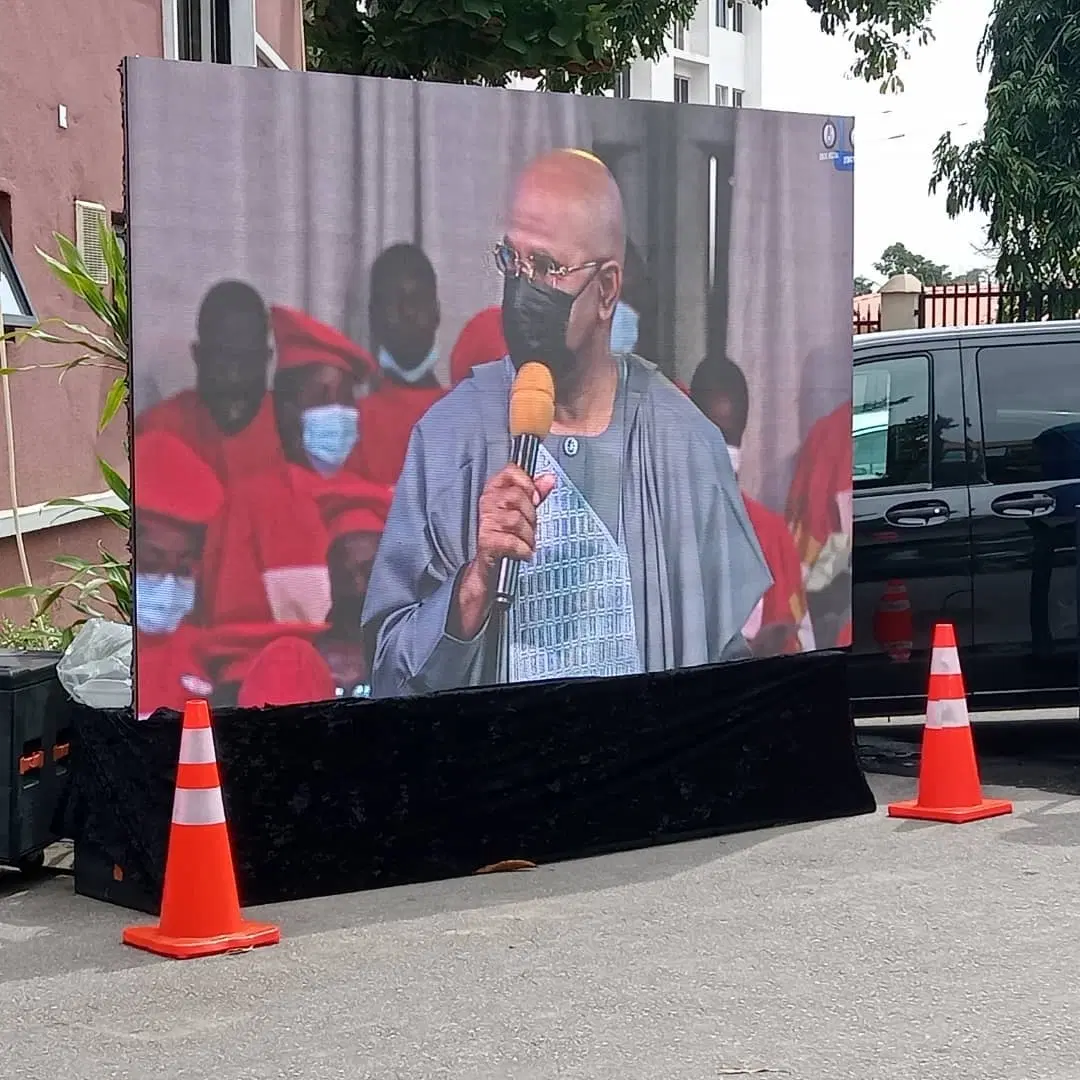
x,y
859,949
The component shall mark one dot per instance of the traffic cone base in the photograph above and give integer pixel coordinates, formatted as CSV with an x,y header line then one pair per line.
x,y
949,785
250,936
956,815
200,908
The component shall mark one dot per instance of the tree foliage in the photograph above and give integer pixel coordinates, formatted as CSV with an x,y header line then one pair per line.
x,y
897,259
860,285
576,45
1024,172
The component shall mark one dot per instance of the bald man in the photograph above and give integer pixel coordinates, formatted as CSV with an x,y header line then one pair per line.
x,y
637,551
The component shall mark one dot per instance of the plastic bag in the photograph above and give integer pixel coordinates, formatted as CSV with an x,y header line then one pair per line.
x,y
96,669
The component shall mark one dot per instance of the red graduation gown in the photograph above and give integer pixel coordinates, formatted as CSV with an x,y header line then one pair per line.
x,y
784,604
271,565
170,670
230,456
387,417
821,487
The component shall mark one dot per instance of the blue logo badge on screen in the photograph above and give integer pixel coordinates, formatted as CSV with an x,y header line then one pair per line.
x,y
838,138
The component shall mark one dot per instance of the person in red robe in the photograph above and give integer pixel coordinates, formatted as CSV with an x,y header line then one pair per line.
x,y
818,512
404,316
227,418
274,568
354,513
780,622
481,341
177,495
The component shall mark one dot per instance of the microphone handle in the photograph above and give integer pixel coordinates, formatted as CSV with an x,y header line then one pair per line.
x,y
526,450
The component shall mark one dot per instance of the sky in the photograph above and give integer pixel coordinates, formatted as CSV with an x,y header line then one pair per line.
x,y
804,70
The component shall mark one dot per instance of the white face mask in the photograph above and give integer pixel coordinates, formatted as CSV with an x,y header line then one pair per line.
x,y
735,454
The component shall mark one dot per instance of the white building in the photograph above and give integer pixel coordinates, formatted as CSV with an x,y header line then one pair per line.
x,y
713,60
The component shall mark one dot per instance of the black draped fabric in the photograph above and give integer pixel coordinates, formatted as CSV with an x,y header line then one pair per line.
x,y
351,795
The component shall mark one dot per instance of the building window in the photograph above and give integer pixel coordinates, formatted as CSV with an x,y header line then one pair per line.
x,y
14,299
737,18
682,89
622,83
736,98
679,36
204,30
722,13
720,96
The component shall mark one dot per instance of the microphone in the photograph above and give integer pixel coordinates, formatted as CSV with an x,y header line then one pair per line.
x,y
532,410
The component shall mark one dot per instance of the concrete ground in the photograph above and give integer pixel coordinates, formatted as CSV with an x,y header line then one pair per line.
x,y
862,949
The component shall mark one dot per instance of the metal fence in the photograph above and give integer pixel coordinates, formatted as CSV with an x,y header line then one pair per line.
x,y
978,304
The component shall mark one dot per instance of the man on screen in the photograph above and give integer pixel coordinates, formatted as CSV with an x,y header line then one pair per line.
x,y
227,419
780,622
637,552
403,313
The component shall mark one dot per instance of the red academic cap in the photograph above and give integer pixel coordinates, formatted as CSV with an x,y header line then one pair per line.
x,y
302,340
230,651
480,341
354,505
172,480
289,671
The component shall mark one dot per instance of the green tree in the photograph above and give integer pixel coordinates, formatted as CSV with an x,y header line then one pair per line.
x,y
862,285
897,259
566,44
1024,172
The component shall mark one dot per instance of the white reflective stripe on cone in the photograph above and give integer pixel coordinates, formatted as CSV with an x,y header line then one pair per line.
x,y
198,806
945,662
949,713
197,746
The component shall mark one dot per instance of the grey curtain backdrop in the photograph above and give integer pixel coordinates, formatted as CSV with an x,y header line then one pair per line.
x,y
295,182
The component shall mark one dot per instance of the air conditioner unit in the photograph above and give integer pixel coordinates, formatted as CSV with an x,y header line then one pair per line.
x,y
90,219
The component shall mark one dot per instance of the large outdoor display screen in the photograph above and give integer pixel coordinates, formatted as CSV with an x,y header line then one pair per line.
x,y
440,387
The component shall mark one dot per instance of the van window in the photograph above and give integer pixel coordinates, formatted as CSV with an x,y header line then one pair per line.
x,y
890,422
1030,396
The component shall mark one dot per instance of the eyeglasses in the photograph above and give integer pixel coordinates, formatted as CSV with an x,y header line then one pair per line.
x,y
544,267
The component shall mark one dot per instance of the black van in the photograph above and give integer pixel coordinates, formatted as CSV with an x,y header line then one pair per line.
x,y
966,481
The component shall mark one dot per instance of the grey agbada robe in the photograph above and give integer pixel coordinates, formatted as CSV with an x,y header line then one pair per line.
x,y
696,568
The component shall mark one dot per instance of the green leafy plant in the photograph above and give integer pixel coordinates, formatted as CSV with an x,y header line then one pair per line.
x,y
102,587
38,634
578,45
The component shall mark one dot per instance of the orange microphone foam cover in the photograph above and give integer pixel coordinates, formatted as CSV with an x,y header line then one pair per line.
x,y
532,401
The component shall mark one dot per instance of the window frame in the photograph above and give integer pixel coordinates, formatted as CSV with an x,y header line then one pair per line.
x,y
681,80
678,36
975,348
720,95
15,320
622,83
721,14
868,486
737,97
243,46
738,23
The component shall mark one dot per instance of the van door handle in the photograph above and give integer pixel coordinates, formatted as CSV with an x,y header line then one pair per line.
x,y
1026,504
917,515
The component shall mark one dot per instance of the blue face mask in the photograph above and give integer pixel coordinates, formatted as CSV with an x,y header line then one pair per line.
x,y
162,601
329,432
408,375
624,328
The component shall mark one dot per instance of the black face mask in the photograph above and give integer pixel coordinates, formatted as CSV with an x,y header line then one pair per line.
x,y
535,321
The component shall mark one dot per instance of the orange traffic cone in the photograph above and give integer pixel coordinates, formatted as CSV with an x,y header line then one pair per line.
x,y
200,908
949,788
